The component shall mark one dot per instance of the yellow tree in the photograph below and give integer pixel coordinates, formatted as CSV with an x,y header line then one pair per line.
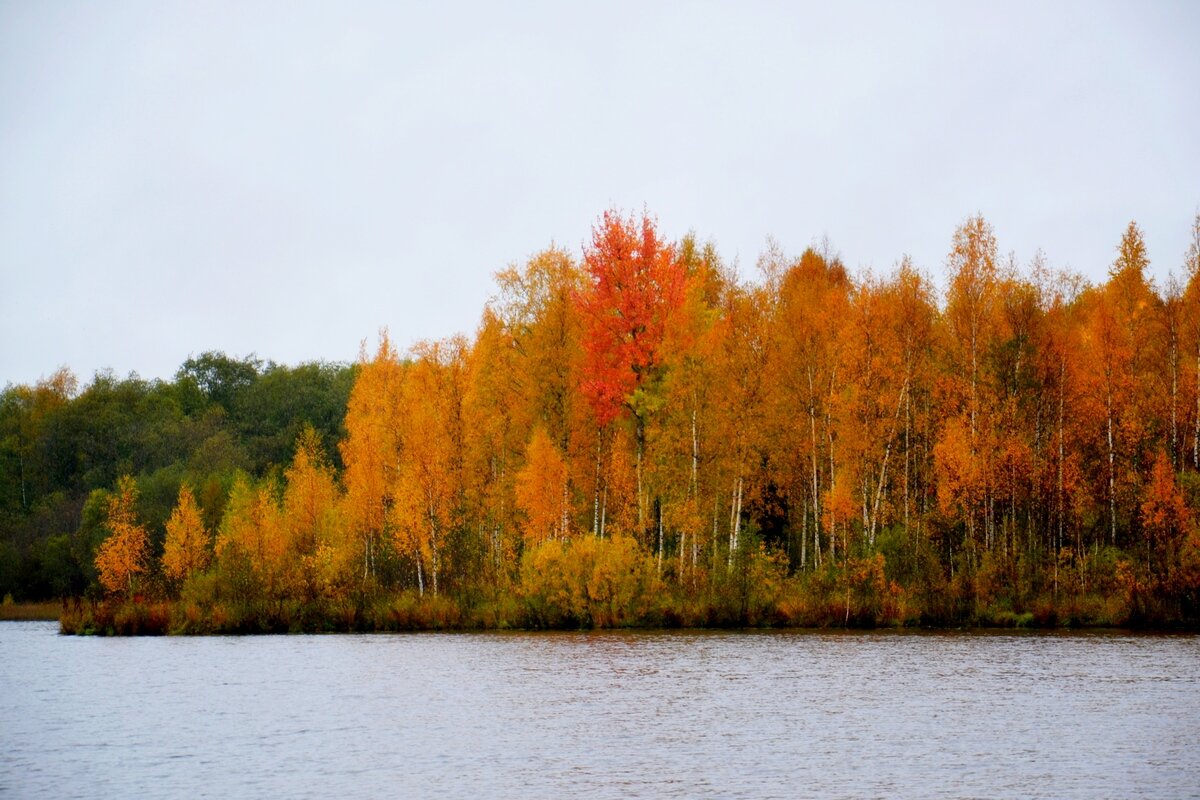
x,y
813,300
540,491
1057,344
523,374
187,549
884,342
744,366
536,306
913,317
371,449
1116,338
680,435
122,556
310,512
971,302
495,426
428,488
1017,407
252,535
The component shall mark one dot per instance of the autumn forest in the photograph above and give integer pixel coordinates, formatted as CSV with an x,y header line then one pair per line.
x,y
640,436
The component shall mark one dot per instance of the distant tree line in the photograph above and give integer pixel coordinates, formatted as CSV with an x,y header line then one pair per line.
x,y
642,436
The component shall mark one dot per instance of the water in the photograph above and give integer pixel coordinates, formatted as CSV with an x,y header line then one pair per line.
x,y
753,715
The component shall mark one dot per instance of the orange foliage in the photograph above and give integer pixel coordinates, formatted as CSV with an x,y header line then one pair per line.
x,y
541,491
187,549
1031,430
372,444
122,556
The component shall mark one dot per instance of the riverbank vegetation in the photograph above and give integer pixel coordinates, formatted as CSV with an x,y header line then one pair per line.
x,y
44,610
643,437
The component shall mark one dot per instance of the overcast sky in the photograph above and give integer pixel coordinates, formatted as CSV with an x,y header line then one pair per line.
x,y
286,178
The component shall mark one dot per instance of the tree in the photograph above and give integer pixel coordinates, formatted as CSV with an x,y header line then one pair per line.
x,y
680,439
635,285
428,490
252,540
25,413
495,412
220,379
187,549
813,301
1117,338
371,449
743,361
1165,519
1190,308
122,556
970,317
541,491
1056,347
536,306
315,530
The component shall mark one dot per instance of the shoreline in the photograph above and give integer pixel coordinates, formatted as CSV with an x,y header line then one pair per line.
x,y
50,610
397,616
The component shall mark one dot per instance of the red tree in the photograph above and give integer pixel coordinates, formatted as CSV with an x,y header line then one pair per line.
x,y
636,284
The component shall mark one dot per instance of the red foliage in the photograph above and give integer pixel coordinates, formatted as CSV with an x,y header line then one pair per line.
x,y
636,285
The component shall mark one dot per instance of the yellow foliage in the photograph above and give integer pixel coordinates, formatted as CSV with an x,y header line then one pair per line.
x,y
186,549
541,490
316,532
590,581
122,556
253,529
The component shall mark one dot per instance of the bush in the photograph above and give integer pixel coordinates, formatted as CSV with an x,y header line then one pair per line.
x,y
589,582
116,618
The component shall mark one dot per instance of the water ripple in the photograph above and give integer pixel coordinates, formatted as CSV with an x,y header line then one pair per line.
x,y
599,715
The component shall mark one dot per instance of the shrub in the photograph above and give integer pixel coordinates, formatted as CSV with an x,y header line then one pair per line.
x,y
589,582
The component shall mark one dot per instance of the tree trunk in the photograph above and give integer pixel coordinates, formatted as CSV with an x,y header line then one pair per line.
x,y
1062,495
564,525
907,456
436,568
695,454
641,501
1174,403
21,463
682,550
816,490
603,510
804,538
596,494
658,504
735,526
887,453
1112,474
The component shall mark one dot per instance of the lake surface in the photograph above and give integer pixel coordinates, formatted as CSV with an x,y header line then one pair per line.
x,y
753,715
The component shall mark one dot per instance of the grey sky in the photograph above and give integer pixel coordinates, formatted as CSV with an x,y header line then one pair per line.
x,y
286,178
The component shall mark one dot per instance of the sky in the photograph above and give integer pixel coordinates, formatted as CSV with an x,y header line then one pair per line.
x,y
285,179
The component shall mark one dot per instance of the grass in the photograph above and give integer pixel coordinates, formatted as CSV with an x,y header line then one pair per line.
x,y
48,610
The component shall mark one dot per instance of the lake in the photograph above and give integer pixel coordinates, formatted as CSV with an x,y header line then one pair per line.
x,y
604,715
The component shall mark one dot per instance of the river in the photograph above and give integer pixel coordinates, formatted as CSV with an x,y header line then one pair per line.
x,y
603,715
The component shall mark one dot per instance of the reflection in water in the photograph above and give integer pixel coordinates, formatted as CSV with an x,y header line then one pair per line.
x,y
600,715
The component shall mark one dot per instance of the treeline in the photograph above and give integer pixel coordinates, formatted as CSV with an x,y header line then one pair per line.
x,y
63,449
641,437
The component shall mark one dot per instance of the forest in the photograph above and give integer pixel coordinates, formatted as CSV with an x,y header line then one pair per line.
x,y
640,436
